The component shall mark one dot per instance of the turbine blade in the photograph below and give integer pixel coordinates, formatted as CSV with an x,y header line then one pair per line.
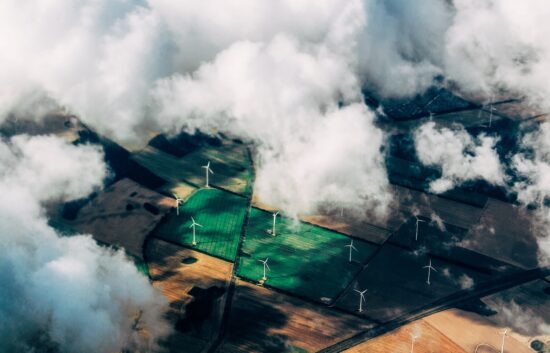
x,y
198,224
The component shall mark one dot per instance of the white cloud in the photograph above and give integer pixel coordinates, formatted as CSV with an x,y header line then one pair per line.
x,y
57,291
460,156
285,98
533,166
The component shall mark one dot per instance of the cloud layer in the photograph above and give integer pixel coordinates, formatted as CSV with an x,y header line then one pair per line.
x,y
58,292
459,156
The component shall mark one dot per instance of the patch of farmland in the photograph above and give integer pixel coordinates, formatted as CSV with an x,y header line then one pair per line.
x,y
306,260
428,339
468,330
524,308
396,281
504,232
195,286
122,215
262,320
230,163
221,215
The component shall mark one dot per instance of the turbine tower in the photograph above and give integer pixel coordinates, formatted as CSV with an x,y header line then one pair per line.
x,y
207,171
504,335
351,248
491,109
266,267
413,339
418,220
178,201
273,230
430,269
194,225
361,299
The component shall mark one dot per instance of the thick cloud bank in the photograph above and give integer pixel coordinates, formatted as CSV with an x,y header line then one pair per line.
x,y
284,97
64,294
460,156
279,74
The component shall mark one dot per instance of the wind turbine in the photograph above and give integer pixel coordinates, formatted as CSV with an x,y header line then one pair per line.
x,y
207,170
194,225
413,339
178,201
418,220
361,299
273,231
491,109
504,335
351,248
266,266
430,268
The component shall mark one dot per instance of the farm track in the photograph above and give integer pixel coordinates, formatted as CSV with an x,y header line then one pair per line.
x,y
217,344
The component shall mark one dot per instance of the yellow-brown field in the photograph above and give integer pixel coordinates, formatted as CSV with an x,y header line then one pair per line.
x,y
468,330
428,340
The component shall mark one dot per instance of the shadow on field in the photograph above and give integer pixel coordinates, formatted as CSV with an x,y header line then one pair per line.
x,y
253,322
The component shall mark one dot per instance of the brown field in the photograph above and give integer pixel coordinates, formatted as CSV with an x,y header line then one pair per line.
x,y
196,317
108,217
266,321
503,232
517,110
468,330
428,340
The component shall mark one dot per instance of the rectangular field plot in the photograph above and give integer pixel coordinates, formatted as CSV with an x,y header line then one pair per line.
x,y
263,320
221,215
305,260
396,281
229,162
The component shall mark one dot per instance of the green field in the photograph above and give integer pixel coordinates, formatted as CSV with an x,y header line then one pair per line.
x,y
221,215
230,163
304,259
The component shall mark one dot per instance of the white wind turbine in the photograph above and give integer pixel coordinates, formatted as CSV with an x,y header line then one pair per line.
x,y
418,220
413,340
491,109
178,201
430,269
273,230
266,267
351,248
207,171
504,335
194,225
361,299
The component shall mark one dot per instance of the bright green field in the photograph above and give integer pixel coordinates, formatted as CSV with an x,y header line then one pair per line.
x,y
304,259
221,215
230,163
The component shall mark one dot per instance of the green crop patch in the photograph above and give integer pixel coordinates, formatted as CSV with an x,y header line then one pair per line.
x,y
229,162
306,260
221,215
